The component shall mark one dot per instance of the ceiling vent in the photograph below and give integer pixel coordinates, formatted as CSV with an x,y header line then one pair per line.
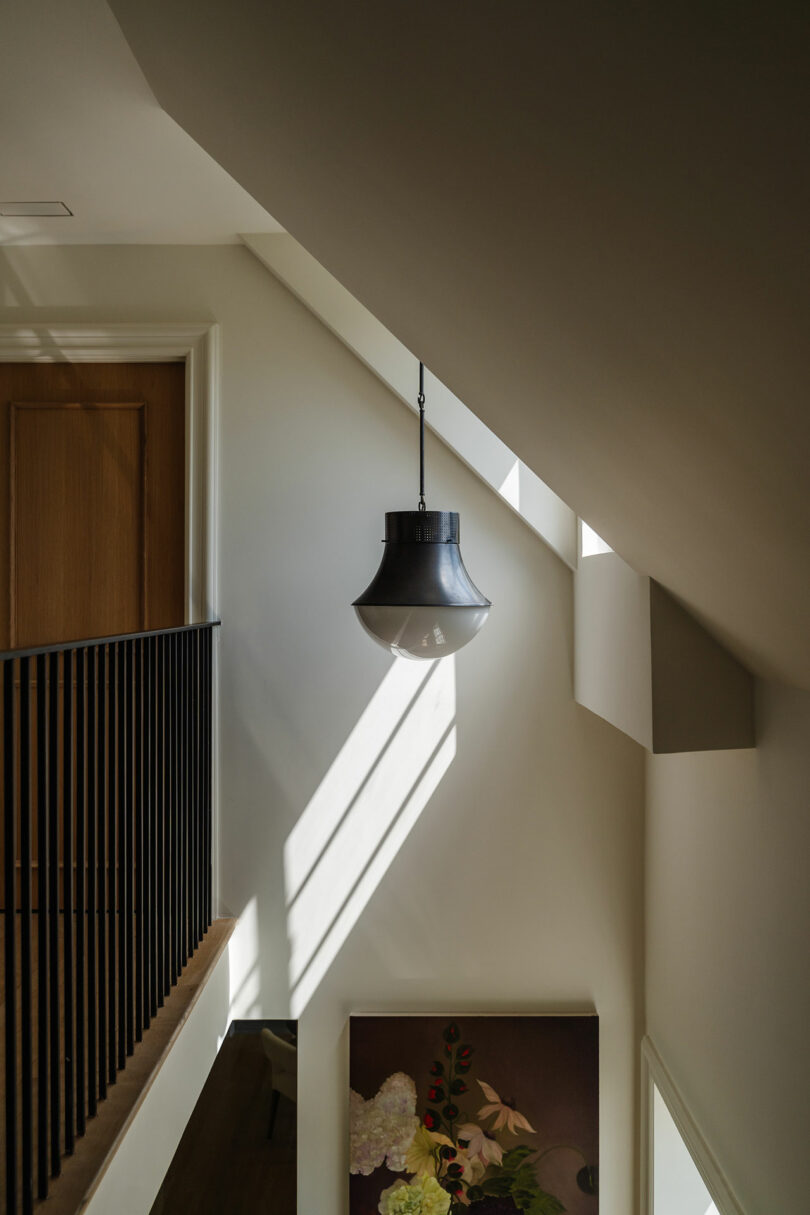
x,y
38,209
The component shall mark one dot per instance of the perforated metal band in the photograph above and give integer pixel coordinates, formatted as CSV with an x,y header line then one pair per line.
x,y
422,526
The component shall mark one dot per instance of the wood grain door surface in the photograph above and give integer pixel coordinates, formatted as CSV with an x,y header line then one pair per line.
x,y
92,520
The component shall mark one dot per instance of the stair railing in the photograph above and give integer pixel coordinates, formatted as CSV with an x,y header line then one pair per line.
x,y
105,772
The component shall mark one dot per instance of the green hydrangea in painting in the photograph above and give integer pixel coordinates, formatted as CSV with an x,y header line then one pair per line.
x,y
487,1116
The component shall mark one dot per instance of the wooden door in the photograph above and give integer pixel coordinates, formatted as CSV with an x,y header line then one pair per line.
x,y
92,520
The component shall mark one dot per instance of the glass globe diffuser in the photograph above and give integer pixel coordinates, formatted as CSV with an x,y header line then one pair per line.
x,y
422,602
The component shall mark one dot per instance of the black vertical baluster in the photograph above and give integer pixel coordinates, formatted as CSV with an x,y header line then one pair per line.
x,y
151,862
192,760
81,832
112,856
161,875
192,851
177,805
102,796
162,872
55,903
140,836
181,799
27,1061
166,872
208,717
178,675
188,638
129,852
124,823
172,801
10,933
92,862
80,761
195,768
184,851
146,850
204,775
181,875
43,919
176,798
67,905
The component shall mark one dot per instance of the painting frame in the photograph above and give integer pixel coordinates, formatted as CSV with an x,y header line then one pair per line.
x,y
481,1113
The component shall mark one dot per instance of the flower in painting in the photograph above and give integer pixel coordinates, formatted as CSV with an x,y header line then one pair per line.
x,y
481,1145
422,1196
421,1155
504,1111
381,1130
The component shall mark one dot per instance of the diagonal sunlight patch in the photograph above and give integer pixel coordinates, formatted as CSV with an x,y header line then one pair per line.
x,y
243,961
384,793
340,786
591,544
510,489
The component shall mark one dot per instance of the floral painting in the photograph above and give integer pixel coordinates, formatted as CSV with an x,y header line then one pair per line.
x,y
474,1115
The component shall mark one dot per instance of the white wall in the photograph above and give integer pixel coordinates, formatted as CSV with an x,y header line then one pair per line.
x,y
728,979
612,651
518,886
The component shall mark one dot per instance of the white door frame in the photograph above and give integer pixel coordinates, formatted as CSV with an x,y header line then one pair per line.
x,y
654,1073
196,345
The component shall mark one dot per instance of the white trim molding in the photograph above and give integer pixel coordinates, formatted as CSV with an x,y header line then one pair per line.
x,y
654,1073
197,345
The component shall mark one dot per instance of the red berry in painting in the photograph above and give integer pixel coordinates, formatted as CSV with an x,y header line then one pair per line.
x,y
436,1093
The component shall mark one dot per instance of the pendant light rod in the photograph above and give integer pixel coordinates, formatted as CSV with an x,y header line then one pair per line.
x,y
421,403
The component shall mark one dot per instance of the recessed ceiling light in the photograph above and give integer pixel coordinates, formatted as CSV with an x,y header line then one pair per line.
x,y
34,208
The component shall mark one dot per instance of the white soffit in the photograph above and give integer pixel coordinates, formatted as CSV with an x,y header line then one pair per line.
x,y
454,423
81,124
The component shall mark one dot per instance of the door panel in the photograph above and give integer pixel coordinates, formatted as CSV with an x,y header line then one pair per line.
x,y
92,512
78,502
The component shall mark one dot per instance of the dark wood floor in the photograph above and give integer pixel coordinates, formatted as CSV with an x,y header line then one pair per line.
x,y
225,1162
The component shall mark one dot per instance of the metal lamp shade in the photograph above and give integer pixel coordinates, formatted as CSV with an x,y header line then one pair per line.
x,y
422,602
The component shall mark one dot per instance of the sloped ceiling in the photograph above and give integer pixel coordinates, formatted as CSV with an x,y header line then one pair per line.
x,y
590,220
79,124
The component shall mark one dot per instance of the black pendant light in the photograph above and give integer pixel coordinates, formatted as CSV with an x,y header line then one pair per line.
x,y
422,603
